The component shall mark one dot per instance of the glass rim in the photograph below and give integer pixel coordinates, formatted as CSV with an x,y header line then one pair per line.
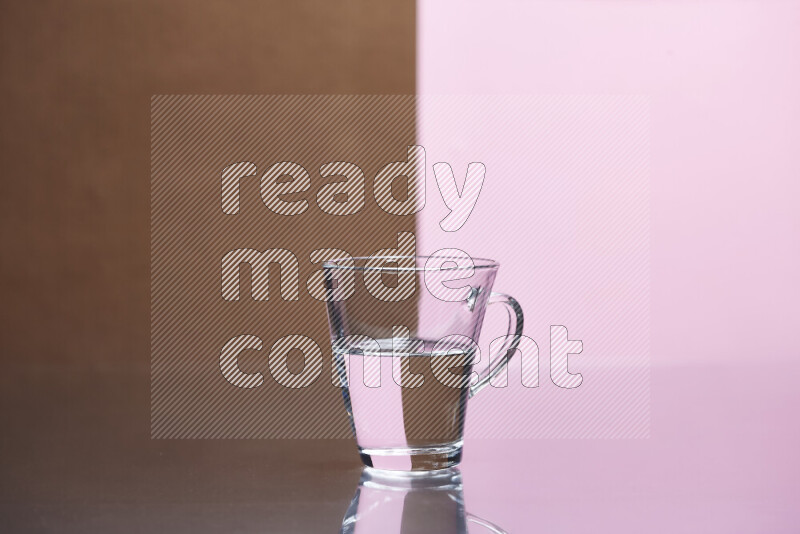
x,y
477,263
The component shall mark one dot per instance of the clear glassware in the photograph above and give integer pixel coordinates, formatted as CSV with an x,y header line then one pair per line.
x,y
406,359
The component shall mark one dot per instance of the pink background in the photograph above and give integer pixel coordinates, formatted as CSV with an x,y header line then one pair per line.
x,y
723,85
564,208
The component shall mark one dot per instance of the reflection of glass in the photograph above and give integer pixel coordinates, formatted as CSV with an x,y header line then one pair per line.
x,y
389,503
410,357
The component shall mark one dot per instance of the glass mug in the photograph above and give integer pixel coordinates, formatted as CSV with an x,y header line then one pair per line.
x,y
404,332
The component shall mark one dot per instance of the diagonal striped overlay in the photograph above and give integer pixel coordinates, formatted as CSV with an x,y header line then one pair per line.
x,y
577,255
208,154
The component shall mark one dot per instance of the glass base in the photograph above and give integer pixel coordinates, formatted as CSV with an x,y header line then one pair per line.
x,y
412,459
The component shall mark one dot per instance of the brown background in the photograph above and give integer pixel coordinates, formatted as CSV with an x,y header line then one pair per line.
x,y
193,139
77,78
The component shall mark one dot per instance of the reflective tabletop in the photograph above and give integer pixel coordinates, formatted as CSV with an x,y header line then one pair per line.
x,y
722,457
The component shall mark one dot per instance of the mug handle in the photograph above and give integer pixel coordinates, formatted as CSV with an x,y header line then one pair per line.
x,y
515,323
484,523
